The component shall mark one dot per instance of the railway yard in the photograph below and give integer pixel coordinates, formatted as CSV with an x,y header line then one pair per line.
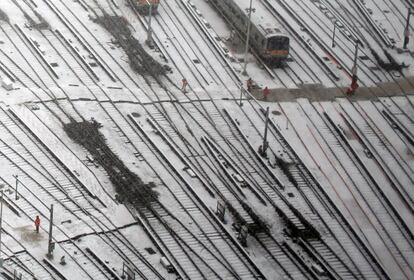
x,y
138,142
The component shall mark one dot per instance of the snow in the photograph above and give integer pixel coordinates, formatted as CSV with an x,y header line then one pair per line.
x,y
183,30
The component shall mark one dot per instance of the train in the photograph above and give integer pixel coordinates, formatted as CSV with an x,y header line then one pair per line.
x,y
143,7
266,38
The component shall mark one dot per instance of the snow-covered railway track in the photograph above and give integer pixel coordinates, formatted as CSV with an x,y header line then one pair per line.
x,y
19,66
383,153
99,223
132,83
396,18
236,262
398,126
231,189
67,52
400,112
229,139
344,50
334,258
337,225
170,136
191,54
271,188
182,145
92,268
110,114
131,255
24,264
329,259
349,21
370,113
28,51
39,172
344,245
203,223
125,131
283,257
51,89
186,246
374,26
33,272
70,25
17,72
228,188
225,186
373,203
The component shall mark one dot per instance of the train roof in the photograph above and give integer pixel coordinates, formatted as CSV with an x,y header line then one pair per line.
x,y
261,17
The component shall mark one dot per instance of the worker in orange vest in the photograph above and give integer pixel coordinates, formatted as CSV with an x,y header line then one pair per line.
x,y
354,86
266,92
37,223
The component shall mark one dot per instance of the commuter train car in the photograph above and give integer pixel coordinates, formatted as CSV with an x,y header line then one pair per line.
x,y
265,36
143,7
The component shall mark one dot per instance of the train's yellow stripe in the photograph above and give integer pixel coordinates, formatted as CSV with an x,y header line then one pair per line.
x,y
277,52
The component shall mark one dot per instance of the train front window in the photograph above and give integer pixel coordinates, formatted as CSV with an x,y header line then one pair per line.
x,y
278,43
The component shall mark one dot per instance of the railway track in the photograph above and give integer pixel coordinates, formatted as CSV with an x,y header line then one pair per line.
x,y
390,225
261,239
181,198
383,154
112,239
398,117
396,267
240,157
24,264
305,182
310,191
344,50
283,256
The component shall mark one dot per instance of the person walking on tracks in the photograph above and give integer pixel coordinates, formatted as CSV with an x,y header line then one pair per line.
x,y
184,87
37,223
249,83
266,92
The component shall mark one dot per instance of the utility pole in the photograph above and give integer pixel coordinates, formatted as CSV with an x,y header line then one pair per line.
x,y
356,55
149,30
265,143
247,39
407,30
355,67
333,35
51,245
17,183
354,83
241,94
